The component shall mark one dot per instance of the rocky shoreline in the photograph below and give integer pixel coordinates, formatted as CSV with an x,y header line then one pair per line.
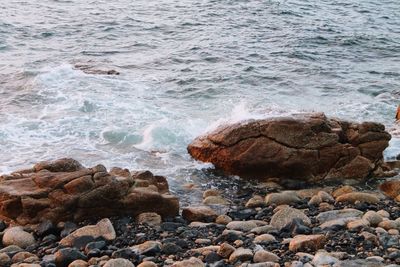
x,y
339,225
337,213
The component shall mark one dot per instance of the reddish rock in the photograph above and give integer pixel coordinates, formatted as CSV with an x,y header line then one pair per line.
x,y
307,243
391,188
305,146
65,190
199,214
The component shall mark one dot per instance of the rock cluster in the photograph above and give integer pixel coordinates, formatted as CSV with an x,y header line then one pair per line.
x,y
308,147
64,190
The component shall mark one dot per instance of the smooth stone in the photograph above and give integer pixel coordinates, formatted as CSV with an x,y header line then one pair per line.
x,y
21,256
325,197
147,264
201,214
170,248
4,259
315,201
389,224
103,228
263,229
223,219
265,256
225,250
324,258
337,214
307,242
147,248
215,200
286,215
343,190
119,263
357,224
244,226
264,238
150,218
241,254
383,213
372,217
304,257
78,263
46,228
337,223
17,236
11,250
286,197
192,262
358,196
65,256
255,201
211,192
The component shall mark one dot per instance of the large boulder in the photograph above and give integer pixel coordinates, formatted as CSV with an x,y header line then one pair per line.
x,y
308,147
65,190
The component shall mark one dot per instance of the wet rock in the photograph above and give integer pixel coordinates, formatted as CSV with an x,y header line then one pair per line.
x,y
202,214
286,197
306,146
307,243
18,237
103,228
265,256
286,215
241,254
119,263
211,192
63,190
358,196
215,200
337,214
65,256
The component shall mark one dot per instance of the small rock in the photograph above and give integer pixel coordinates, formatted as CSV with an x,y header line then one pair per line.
x,y
326,197
170,248
265,229
215,200
388,224
254,202
307,242
210,192
11,250
337,223
147,264
46,228
103,228
149,218
244,226
192,262
324,259
147,248
372,217
337,214
358,196
241,254
286,215
383,213
4,259
202,214
286,197
21,256
17,236
78,263
264,239
393,232
357,224
118,263
343,190
315,201
65,256
265,256
223,219
225,250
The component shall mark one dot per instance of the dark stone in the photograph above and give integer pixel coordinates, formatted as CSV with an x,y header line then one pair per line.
x,y
241,215
69,227
125,253
81,241
212,257
95,245
94,253
170,248
296,227
170,226
46,228
3,226
65,256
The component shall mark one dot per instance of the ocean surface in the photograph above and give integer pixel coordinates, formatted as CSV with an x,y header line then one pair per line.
x,y
186,66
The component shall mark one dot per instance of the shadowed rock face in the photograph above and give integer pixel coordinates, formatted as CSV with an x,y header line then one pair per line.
x,y
65,190
307,147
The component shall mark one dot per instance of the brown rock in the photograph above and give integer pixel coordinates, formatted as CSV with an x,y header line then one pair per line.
x,y
307,243
201,214
287,215
358,196
310,147
391,188
65,190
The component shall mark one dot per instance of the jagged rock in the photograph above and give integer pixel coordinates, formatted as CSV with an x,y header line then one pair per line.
x,y
64,190
310,147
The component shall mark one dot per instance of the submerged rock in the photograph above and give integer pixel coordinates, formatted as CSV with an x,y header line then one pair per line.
x,y
64,190
308,147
